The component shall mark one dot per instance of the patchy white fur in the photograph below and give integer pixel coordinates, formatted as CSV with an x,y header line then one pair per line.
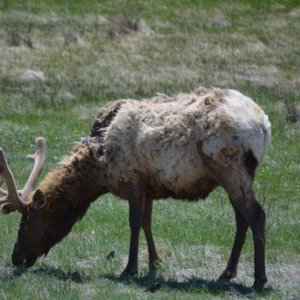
x,y
160,138
252,124
249,124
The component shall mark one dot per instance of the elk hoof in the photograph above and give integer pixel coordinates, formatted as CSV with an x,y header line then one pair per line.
x,y
258,284
227,275
127,274
153,265
153,288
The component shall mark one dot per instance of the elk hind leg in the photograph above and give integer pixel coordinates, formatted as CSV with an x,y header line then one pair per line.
x,y
257,220
253,212
240,236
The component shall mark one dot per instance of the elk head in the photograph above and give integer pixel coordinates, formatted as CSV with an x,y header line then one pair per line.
x,y
32,240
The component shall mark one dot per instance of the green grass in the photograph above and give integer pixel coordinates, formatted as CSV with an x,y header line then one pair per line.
x,y
90,53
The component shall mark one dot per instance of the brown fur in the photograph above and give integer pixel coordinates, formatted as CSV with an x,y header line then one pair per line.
x,y
71,188
69,191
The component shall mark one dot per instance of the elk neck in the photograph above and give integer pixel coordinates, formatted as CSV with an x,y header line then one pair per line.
x,y
71,188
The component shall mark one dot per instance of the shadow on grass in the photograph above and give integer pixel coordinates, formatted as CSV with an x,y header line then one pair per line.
x,y
151,282
47,272
74,276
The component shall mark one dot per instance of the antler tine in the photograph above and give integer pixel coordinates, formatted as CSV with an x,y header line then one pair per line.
x,y
39,159
11,199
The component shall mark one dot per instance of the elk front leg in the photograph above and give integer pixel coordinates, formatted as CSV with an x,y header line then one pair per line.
x,y
136,209
154,259
240,236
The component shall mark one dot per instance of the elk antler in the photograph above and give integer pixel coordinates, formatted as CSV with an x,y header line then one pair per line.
x,y
13,199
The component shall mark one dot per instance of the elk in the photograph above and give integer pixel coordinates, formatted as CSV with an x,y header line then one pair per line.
x,y
183,147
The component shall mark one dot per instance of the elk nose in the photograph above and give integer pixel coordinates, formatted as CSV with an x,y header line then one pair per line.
x,y
22,260
30,261
18,256
17,259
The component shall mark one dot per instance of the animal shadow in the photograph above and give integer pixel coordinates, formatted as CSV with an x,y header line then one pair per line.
x,y
48,272
153,282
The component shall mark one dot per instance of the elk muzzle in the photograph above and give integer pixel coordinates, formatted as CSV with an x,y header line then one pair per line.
x,y
20,257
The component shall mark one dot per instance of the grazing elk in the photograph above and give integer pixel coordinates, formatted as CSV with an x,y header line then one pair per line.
x,y
181,147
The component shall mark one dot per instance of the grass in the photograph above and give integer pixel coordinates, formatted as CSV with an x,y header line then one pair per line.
x,y
60,60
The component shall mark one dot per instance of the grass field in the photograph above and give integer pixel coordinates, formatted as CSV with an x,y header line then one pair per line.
x,y
61,60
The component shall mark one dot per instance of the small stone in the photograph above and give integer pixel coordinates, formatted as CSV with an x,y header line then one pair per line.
x,y
33,76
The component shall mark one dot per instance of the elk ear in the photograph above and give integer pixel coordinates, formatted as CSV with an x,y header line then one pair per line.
x,y
39,200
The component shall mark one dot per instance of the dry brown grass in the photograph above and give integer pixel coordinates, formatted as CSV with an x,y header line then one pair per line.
x,y
140,57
